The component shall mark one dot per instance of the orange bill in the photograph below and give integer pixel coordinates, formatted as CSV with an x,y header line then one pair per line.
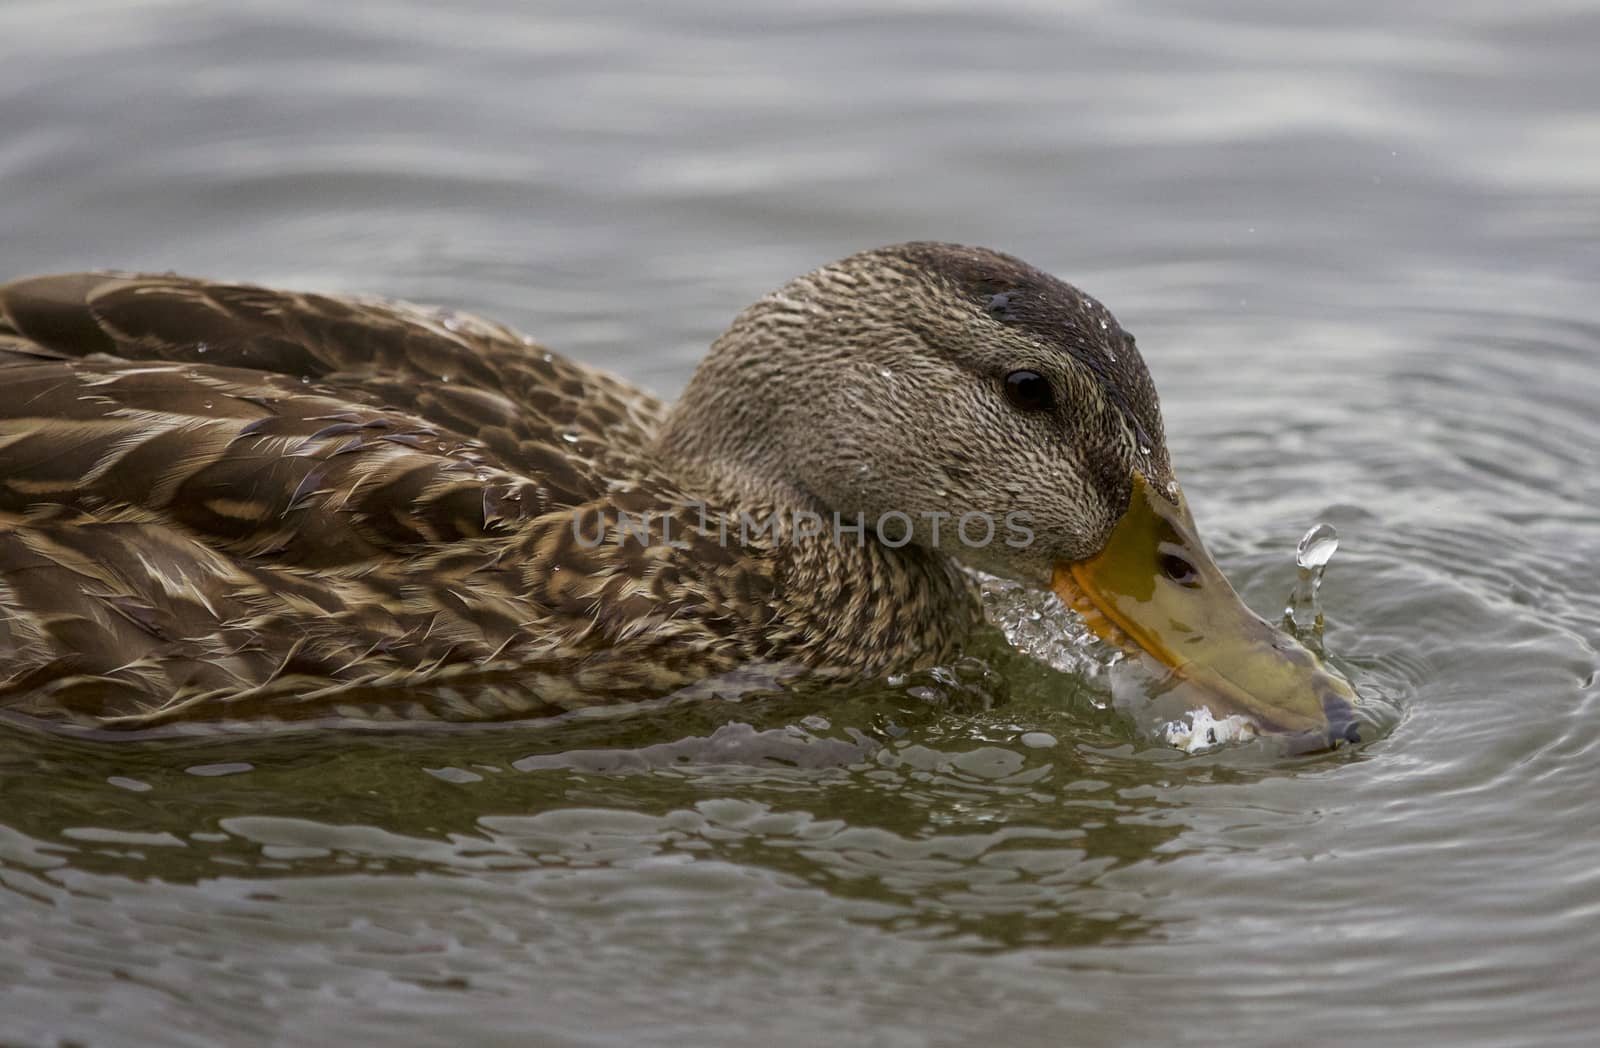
x,y
1154,589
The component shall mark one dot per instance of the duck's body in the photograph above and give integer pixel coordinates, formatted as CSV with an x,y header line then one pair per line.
x,y
225,503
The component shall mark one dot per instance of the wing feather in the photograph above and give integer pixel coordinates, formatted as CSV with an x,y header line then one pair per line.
x,y
219,501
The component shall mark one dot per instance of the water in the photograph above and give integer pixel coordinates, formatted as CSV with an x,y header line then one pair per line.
x,y
1303,614
1357,243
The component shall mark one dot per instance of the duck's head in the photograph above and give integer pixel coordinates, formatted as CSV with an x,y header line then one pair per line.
x,y
972,403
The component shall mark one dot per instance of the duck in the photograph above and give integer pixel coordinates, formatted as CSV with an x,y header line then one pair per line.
x,y
223,504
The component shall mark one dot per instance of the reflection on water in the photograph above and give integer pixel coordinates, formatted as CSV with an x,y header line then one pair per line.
x,y
1357,247
969,825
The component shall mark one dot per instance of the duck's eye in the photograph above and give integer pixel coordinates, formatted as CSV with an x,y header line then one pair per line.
x,y
1029,391
1179,570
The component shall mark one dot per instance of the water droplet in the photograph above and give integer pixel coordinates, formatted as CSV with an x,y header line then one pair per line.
x,y
886,373
1317,547
1112,355
1143,450
201,348
1302,614
1103,324
1172,487
570,438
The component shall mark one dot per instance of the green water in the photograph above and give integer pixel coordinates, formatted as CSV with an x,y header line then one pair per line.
x,y
1358,247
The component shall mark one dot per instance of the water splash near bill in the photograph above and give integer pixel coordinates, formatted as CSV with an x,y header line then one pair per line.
x,y
1037,624
1202,731
1302,614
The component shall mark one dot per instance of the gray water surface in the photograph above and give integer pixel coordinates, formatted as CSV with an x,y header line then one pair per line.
x,y
1358,243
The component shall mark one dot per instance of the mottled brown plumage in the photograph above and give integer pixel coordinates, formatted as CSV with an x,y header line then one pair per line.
x,y
220,502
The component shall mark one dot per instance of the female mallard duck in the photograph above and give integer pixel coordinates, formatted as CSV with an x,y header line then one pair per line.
x,y
220,502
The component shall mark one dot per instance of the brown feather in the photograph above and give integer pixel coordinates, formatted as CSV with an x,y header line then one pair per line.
x,y
221,502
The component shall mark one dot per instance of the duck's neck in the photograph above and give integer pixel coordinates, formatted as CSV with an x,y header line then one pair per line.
x,y
844,600
868,609
732,436
745,438
753,424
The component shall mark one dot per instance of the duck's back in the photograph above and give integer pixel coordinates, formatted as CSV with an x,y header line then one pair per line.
x,y
187,466
457,373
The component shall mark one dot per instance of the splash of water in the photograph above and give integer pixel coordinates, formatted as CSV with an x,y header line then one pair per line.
x,y
1202,731
1302,614
1037,624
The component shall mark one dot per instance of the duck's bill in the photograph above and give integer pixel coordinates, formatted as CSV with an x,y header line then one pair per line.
x,y
1155,589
